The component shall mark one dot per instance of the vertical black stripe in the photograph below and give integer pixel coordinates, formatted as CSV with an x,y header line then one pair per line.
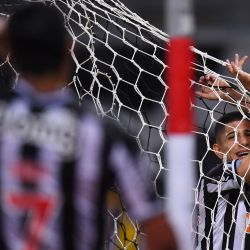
x,y
233,196
247,241
2,240
105,175
212,238
196,241
232,233
208,220
29,152
68,210
209,203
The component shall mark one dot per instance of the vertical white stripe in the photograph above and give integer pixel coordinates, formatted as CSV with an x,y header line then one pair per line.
x,y
239,240
180,180
134,190
201,216
50,186
9,156
218,228
88,171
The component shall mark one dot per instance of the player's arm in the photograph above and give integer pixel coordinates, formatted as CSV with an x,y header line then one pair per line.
x,y
244,168
215,88
159,233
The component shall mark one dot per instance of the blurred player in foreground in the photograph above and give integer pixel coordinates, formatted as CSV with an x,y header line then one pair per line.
x,y
56,159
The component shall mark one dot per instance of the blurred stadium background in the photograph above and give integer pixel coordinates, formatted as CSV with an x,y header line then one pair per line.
x,y
222,26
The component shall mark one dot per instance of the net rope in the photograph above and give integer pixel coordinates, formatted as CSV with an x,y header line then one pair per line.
x,y
120,68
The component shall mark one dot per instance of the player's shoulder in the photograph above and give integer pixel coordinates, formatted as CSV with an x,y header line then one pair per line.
x,y
8,96
216,171
7,99
222,169
112,130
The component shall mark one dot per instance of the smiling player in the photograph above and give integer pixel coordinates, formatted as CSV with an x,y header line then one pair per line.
x,y
223,198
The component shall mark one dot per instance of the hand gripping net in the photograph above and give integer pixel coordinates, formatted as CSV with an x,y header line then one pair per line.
x,y
119,67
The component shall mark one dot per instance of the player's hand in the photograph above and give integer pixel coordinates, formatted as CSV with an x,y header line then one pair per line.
x,y
212,88
236,65
235,69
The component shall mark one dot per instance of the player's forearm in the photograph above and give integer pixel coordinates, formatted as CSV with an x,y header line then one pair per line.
x,y
159,234
245,80
237,98
245,103
244,168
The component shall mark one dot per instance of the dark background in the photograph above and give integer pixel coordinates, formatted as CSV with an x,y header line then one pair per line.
x,y
222,29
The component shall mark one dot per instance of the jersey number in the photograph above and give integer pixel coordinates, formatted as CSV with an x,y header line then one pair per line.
x,y
39,208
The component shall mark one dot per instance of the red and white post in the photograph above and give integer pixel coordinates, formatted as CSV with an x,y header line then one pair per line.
x,y
180,178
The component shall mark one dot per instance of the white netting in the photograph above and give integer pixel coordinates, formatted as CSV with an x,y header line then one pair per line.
x,y
221,194
120,67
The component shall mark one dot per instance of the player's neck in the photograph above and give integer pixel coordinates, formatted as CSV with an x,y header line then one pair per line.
x,y
46,83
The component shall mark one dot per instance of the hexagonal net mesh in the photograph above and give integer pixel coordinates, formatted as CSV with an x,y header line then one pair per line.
x,y
120,68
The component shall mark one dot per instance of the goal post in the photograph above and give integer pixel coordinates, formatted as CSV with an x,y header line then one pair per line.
x,y
180,179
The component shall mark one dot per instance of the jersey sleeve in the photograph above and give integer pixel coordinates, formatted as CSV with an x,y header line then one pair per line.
x,y
132,177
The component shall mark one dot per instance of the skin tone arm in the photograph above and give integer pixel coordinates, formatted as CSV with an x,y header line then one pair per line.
x,y
159,234
214,88
244,168
206,91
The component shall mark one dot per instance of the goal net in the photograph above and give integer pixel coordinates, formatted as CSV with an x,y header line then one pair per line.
x,y
221,204
120,69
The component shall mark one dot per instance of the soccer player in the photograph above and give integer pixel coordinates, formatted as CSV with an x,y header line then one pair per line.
x,y
57,160
223,198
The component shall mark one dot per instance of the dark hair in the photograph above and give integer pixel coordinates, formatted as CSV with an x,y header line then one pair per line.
x,y
225,119
37,39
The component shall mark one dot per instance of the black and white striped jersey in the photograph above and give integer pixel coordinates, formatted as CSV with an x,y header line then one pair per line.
x,y
56,162
223,210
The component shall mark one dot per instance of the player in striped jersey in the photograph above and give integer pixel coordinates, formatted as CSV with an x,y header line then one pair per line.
x,y
57,160
224,193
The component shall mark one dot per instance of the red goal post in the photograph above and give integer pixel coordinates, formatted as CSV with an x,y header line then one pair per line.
x,y
180,147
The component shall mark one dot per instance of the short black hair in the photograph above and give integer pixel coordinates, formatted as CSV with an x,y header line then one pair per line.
x,y
225,119
37,39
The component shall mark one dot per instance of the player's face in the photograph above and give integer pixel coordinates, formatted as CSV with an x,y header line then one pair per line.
x,y
234,143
